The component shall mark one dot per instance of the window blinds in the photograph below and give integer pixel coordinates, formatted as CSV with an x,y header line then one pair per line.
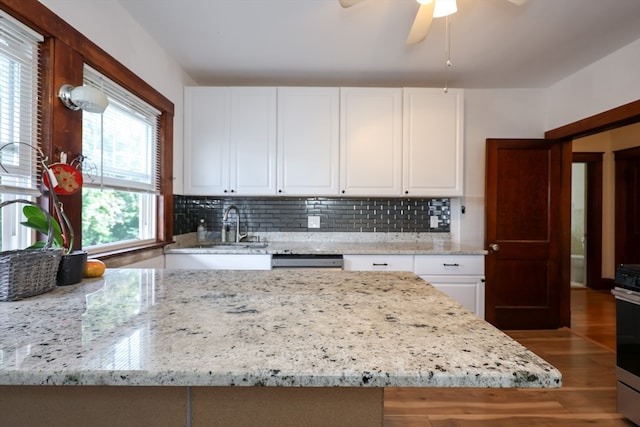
x,y
121,146
19,107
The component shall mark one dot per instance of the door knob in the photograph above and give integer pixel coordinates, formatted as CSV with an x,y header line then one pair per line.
x,y
494,247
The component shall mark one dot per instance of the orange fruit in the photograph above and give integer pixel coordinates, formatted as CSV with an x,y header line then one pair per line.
x,y
94,268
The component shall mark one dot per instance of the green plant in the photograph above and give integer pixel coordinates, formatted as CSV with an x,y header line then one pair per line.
x,y
37,220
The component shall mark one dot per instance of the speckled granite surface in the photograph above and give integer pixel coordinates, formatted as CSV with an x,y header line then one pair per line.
x,y
250,328
333,243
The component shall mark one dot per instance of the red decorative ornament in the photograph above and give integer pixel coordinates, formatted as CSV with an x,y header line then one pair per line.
x,y
69,179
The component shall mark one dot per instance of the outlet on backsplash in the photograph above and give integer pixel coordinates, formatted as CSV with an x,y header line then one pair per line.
x,y
313,221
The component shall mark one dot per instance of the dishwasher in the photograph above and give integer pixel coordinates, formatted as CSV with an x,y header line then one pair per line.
x,y
307,261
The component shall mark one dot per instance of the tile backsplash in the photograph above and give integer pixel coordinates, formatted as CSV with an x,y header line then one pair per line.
x,y
290,214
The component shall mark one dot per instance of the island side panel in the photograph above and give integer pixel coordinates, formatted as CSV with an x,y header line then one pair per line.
x,y
95,406
287,406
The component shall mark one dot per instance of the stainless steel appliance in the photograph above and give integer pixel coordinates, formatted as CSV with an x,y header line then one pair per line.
x,y
314,261
627,294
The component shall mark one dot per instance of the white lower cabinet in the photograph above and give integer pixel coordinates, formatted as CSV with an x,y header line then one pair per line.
x,y
378,262
219,261
459,276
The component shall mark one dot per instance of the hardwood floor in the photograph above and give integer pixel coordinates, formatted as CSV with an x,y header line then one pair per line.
x,y
585,354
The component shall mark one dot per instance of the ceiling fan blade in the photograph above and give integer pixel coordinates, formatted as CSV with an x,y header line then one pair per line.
x,y
421,24
349,3
518,2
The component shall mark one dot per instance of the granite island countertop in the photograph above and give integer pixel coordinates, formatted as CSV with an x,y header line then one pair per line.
x,y
258,328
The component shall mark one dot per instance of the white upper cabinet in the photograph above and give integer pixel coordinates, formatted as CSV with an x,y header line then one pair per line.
x,y
206,140
308,141
323,141
230,140
433,142
371,141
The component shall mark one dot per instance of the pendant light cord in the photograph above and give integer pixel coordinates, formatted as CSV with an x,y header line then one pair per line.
x,y
448,53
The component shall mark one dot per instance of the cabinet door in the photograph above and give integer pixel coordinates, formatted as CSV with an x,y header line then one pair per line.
x,y
466,290
308,141
371,141
433,142
206,142
252,135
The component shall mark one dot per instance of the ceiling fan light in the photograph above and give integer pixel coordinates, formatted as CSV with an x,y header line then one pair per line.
x,y
444,8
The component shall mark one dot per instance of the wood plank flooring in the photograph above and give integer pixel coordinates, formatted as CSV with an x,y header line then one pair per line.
x,y
585,354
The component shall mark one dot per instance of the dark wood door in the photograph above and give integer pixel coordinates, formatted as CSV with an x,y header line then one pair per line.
x,y
528,217
627,206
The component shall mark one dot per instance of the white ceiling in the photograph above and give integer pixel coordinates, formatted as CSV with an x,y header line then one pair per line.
x,y
494,43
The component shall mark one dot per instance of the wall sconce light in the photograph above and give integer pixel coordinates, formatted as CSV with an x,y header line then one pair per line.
x,y
86,98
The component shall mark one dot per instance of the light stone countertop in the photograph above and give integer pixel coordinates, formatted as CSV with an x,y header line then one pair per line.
x,y
332,243
258,328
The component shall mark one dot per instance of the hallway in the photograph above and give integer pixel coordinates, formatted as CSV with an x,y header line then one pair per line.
x,y
585,354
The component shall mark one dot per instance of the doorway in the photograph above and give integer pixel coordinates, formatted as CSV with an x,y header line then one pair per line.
x,y
586,220
579,193
616,118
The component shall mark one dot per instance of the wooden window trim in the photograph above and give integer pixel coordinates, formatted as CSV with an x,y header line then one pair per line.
x,y
65,52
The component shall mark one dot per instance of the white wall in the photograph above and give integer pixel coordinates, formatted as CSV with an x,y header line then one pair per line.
x,y
492,113
109,26
601,86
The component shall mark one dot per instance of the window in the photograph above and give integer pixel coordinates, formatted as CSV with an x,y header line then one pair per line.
x,y
19,76
121,169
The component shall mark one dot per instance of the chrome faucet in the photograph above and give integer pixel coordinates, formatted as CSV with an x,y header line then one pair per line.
x,y
238,237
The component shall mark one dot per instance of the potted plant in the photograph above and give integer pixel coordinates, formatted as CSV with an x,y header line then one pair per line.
x,y
72,262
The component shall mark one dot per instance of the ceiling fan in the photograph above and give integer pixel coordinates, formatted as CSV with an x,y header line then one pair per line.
x,y
428,10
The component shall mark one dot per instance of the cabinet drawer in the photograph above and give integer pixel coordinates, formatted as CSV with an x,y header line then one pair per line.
x,y
449,264
378,262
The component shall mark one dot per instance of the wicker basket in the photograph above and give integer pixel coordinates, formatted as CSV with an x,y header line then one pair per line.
x,y
25,273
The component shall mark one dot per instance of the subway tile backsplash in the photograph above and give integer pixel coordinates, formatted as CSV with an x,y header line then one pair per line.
x,y
289,214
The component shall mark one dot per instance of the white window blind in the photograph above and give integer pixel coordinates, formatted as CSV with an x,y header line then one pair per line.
x,y
121,145
19,107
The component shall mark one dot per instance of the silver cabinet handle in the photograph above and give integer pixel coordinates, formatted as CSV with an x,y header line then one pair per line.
x,y
494,247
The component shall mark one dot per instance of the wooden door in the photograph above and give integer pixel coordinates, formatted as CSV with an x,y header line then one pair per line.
x,y
527,213
627,206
